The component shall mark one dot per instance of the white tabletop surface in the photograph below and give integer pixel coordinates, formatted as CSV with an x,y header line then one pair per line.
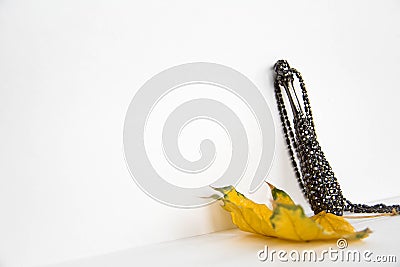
x,y
237,248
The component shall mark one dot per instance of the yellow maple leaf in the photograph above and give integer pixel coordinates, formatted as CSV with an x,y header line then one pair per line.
x,y
286,220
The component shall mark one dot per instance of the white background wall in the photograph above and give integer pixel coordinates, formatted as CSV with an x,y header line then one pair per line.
x,y
69,69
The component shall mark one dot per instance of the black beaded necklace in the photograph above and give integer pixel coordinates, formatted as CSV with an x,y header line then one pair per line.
x,y
315,177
